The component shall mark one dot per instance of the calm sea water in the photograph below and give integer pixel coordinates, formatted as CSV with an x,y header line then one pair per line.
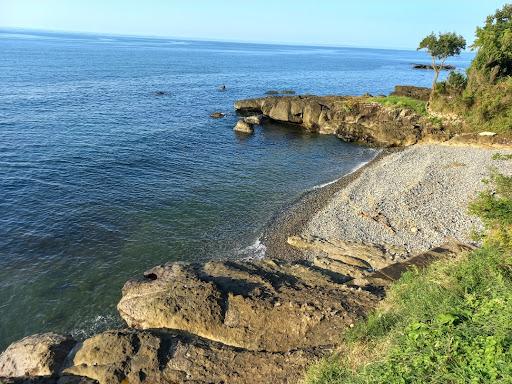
x,y
100,178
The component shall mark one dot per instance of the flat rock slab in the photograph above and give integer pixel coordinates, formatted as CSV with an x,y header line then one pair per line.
x,y
265,305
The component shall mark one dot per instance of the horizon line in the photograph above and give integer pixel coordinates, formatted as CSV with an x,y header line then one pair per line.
x,y
205,39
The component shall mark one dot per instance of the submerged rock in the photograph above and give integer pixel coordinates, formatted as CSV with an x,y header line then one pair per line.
x,y
37,355
243,127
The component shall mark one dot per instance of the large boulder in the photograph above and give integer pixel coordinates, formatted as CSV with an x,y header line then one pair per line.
x,y
265,305
130,356
418,93
37,355
243,126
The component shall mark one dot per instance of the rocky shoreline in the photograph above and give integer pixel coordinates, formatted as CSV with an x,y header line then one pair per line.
x,y
330,257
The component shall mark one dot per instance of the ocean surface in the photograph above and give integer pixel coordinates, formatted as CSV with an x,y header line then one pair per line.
x,y
110,164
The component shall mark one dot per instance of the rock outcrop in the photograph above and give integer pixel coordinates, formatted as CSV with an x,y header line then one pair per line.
x,y
236,322
353,119
37,355
266,305
418,93
445,67
243,126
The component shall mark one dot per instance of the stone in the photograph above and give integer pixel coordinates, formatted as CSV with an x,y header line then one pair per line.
x,y
160,93
233,302
217,115
132,356
445,67
418,93
243,127
254,119
489,134
37,355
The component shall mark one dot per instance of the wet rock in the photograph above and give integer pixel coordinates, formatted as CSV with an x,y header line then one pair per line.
x,y
130,356
254,119
160,93
234,303
37,355
217,115
243,127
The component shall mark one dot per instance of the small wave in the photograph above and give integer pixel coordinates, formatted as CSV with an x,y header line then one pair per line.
x,y
355,169
96,325
255,251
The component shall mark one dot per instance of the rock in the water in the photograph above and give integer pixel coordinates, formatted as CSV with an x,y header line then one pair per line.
x,y
160,93
243,127
254,119
445,67
130,356
217,115
265,305
37,355
353,119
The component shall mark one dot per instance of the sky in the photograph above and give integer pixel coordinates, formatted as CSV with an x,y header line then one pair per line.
x,y
362,23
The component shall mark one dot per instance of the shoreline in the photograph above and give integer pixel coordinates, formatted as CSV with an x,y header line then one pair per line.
x,y
293,218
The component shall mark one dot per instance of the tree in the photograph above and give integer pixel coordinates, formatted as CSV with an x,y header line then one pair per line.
x,y
494,44
440,48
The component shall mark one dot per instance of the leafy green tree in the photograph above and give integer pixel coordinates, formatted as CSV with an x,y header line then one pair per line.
x,y
441,47
494,44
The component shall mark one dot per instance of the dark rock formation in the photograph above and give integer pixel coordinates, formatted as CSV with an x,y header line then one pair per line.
x,y
418,93
160,93
217,115
353,119
445,67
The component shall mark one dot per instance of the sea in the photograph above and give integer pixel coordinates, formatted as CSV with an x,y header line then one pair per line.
x,y
110,163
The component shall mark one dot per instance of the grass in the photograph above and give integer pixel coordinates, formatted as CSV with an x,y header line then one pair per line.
x,y
449,324
418,106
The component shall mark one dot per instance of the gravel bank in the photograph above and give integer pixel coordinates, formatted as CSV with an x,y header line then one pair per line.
x,y
409,201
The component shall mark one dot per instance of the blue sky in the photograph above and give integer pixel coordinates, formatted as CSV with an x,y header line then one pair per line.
x,y
364,23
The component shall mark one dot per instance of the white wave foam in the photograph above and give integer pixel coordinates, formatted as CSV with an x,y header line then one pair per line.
x,y
255,251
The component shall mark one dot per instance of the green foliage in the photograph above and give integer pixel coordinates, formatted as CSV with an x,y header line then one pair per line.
x,y
494,44
444,45
417,106
448,324
500,156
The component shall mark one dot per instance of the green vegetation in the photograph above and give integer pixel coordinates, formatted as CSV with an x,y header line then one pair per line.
x,y
448,324
417,106
484,95
440,48
500,156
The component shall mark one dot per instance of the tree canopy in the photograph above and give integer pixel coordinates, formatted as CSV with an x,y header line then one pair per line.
x,y
443,46
494,44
